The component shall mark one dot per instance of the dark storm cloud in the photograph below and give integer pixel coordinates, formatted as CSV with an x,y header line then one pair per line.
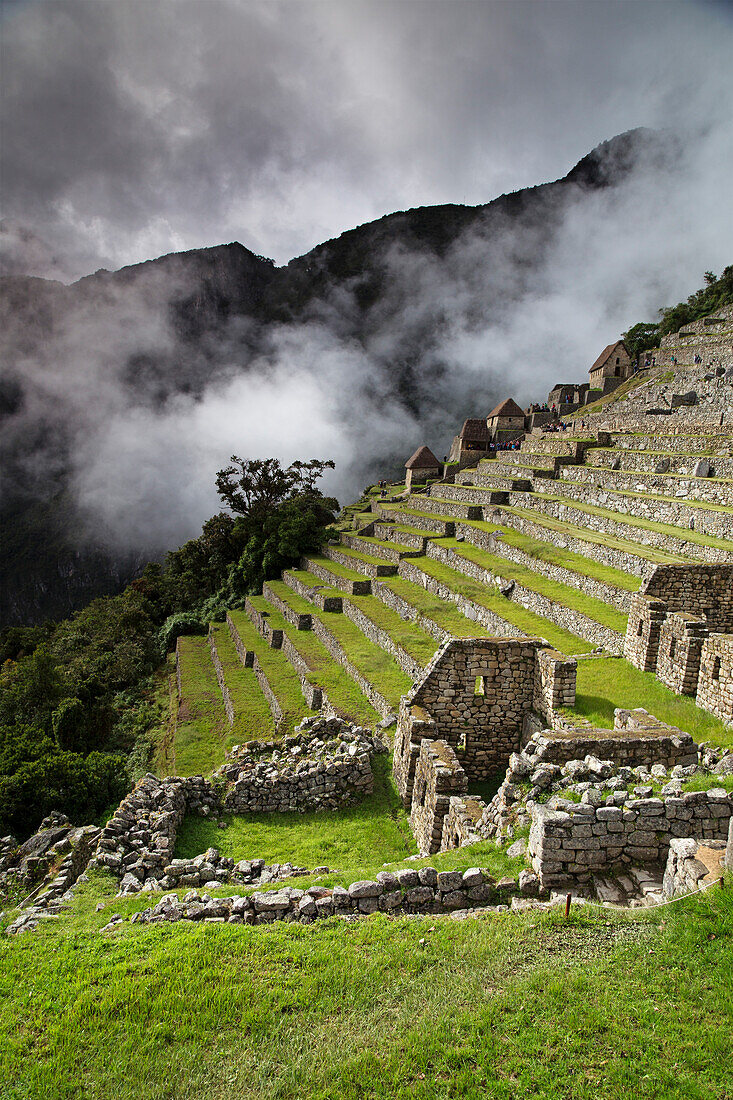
x,y
132,129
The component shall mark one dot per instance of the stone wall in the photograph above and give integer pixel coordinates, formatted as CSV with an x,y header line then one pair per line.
x,y
475,696
697,589
715,681
250,660
614,525
574,841
680,464
406,611
339,654
637,739
335,580
677,513
438,775
325,766
476,612
382,638
680,644
326,601
461,823
700,488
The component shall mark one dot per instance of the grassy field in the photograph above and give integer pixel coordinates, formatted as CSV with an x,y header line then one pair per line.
x,y
606,683
512,1006
374,832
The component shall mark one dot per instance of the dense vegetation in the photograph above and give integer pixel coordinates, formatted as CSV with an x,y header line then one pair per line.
x,y
76,712
716,293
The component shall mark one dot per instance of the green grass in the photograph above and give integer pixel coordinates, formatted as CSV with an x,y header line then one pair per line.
x,y
202,725
311,581
252,716
441,612
359,556
566,559
636,521
374,832
281,676
606,683
510,1007
343,694
526,621
415,641
563,594
379,668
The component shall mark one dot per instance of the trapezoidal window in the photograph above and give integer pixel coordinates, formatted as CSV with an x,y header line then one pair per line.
x,y
640,628
716,668
672,648
462,741
479,686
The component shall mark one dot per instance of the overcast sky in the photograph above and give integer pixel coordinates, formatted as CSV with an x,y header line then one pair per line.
x,y
132,128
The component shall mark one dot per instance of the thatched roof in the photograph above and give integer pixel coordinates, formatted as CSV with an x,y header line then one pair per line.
x,y
475,430
607,353
509,407
423,459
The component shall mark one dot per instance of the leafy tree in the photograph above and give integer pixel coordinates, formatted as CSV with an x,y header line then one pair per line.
x,y
641,337
254,487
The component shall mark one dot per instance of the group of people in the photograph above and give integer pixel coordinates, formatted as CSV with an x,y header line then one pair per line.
x,y
512,445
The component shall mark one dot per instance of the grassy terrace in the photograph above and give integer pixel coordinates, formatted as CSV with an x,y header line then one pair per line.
x,y
597,538
280,675
202,725
379,668
359,555
606,683
526,621
342,692
636,521
442,612
511,1007
415,641
252,715
336,568
554,555
311,581
559,593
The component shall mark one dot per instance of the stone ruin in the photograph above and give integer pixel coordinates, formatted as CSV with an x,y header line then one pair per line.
x,y
681,627
488,705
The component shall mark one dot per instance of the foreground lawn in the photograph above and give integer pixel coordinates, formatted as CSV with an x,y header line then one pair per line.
x,y
508,1006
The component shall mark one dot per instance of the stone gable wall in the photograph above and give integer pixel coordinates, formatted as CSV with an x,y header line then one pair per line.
x,y
715,680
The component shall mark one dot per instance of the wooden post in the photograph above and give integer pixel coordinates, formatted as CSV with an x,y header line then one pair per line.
x,y
568,899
